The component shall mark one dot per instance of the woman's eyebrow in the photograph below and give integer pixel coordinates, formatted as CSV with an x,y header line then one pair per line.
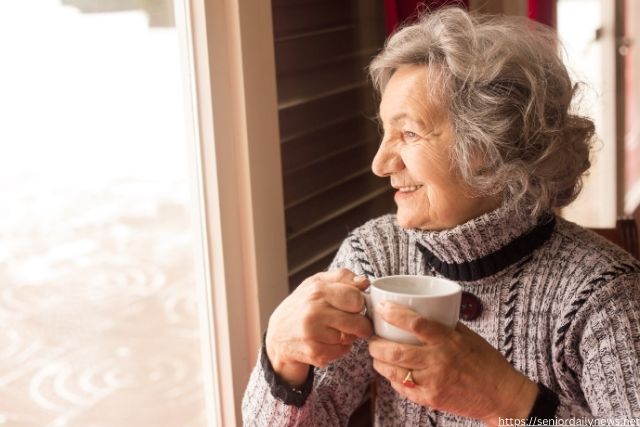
x,y
401,116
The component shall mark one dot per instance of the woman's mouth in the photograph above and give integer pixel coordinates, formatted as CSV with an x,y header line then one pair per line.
x,y
406,191
409,188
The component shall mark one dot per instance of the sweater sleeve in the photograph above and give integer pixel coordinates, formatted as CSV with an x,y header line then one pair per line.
x,y
602,359
337,389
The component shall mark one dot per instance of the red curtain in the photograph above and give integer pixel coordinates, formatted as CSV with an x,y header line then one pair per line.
x,y
397,11
542,11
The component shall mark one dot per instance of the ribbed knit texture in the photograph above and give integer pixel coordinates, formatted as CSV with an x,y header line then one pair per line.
x,y
568,316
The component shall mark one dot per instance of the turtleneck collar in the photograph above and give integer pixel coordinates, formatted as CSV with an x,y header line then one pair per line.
x,y
483,245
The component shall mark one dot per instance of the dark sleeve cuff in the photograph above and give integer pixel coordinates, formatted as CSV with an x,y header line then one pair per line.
x,y
279,388
545,406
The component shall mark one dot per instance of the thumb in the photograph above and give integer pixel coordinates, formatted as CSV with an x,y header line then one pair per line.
x,y
361,282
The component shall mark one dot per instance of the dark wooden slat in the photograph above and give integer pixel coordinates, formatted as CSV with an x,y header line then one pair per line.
x,y
297,53
311,83
309,148
328,137
298,17
307,246
309,116
336,212
333,202
321,48
316,267
301,184
348,146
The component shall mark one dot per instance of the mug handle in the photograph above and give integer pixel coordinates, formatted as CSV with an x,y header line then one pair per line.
x,y
367,311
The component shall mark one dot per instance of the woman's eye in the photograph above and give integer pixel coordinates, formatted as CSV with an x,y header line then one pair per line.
x,y
409,136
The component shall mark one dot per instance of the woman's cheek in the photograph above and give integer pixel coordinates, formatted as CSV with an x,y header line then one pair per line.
x,y
427,160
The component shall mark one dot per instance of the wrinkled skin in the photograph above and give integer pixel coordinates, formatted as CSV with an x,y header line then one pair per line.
x,y
455,370
317,324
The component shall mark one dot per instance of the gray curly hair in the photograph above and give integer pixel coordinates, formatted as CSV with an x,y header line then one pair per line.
x,y
508,96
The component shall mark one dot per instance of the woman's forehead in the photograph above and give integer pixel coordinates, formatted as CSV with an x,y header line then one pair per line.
x,y
407,97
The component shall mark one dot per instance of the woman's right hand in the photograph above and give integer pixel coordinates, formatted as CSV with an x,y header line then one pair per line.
x,y
316,324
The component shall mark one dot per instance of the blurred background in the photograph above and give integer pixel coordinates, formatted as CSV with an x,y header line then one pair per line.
x,y
97,284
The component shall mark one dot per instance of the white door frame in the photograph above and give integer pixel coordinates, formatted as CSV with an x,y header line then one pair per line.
x,y
239,185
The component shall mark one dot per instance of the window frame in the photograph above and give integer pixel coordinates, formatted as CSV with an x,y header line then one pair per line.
x,y
230,74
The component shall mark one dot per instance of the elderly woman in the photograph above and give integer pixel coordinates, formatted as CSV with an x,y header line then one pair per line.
x,y
481,146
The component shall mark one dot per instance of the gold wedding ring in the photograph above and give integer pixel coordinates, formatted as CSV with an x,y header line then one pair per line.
x,y
408,380
343,338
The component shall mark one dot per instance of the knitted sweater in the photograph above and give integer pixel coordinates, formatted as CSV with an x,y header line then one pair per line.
x,y
563,310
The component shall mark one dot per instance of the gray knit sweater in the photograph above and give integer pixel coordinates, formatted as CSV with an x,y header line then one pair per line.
x,y
567,315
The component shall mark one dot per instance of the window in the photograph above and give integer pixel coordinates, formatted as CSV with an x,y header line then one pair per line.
x,y
588,54
629,49
601,51
98,245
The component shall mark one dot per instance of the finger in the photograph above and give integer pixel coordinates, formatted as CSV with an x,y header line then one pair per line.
x,y
343,296
320,355
396,374
361,282
410,321
349,323
333,336
405,355
323,334
464,330
338,275
345,275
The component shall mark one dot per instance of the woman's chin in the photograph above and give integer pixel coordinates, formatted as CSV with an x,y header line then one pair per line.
x,y
407,222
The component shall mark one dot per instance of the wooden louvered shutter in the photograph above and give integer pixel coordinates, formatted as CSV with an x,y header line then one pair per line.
x,y
327,131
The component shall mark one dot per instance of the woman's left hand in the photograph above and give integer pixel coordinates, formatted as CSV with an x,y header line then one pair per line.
x,y
455,370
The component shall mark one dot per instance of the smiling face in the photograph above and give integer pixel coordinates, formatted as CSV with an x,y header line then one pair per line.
x,y
415,154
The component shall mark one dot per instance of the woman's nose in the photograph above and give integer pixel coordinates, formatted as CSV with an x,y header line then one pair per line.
x,y
386,161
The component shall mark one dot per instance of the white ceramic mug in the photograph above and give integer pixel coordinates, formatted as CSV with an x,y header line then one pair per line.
x,y
433,298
